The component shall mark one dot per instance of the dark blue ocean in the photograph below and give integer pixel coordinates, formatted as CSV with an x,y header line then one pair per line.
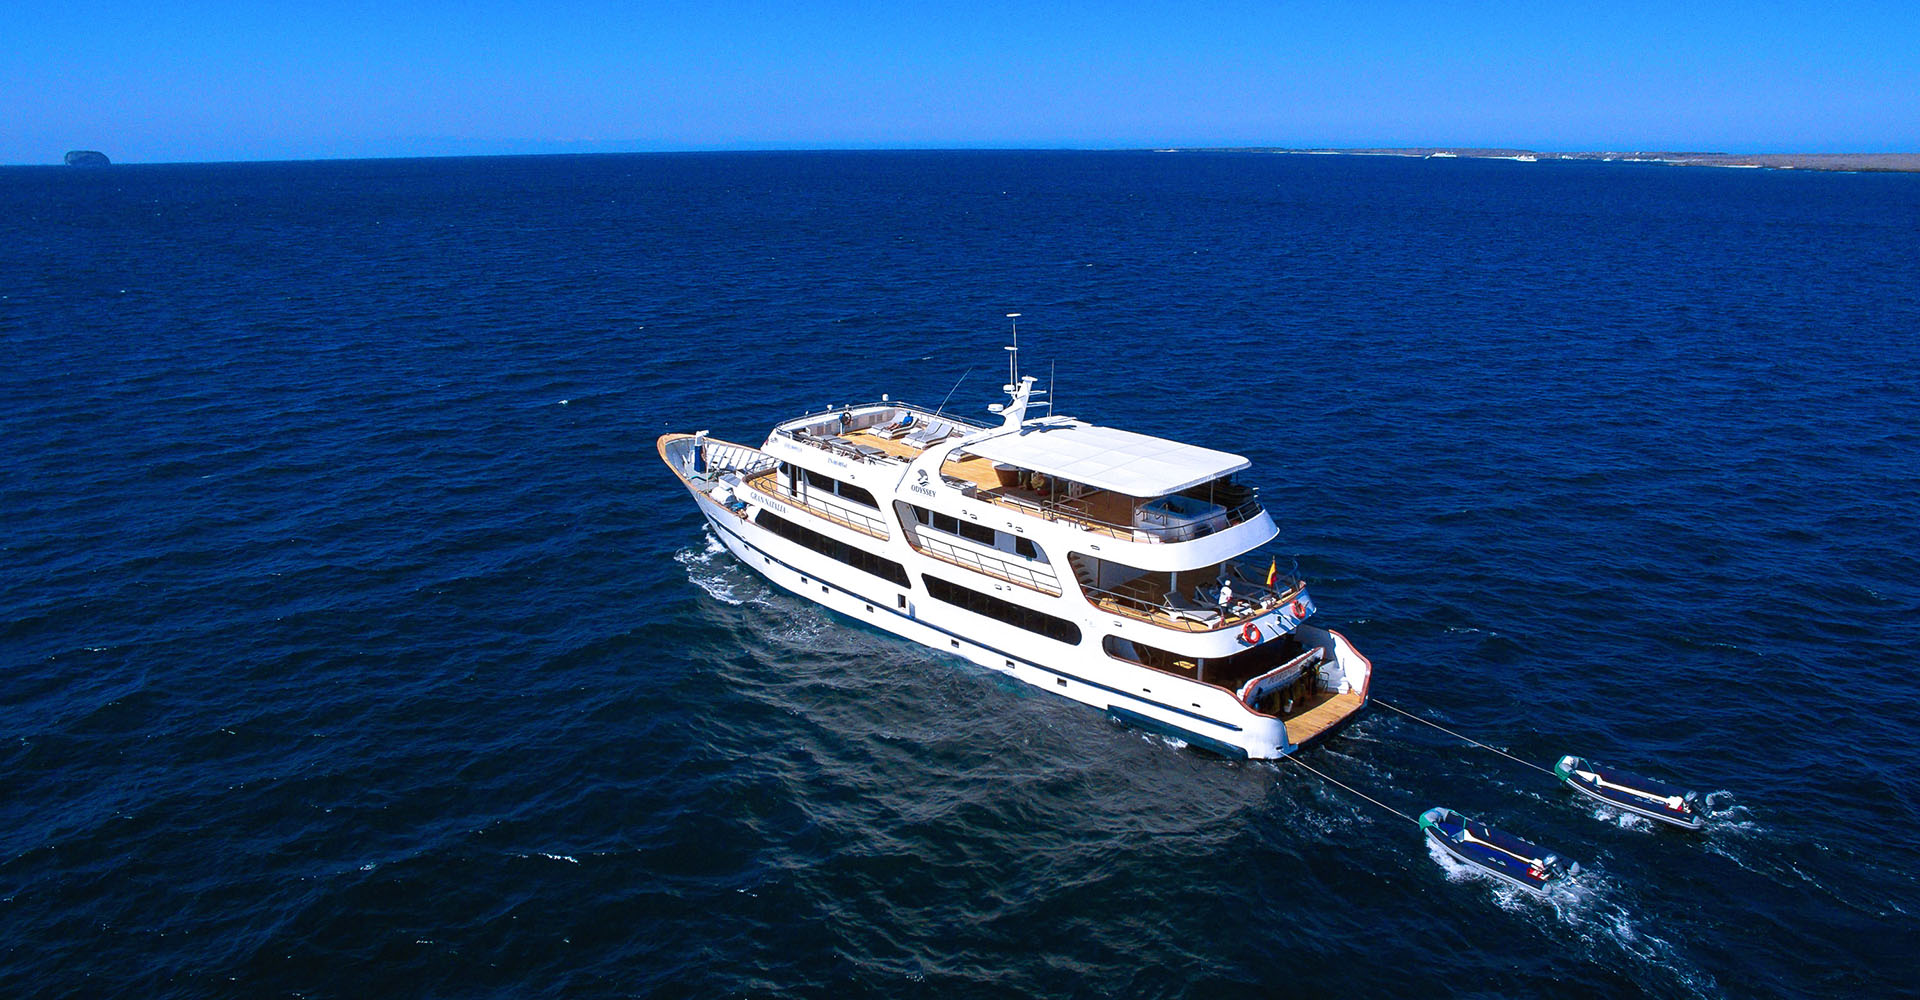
x,y
354,642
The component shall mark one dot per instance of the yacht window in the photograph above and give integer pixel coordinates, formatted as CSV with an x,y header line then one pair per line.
x,y
1038,622
858,558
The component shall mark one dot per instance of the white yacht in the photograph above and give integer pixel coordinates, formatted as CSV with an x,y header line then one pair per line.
x,y
1124,571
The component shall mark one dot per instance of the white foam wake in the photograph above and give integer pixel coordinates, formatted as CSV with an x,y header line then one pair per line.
x,y
1584,904
713,570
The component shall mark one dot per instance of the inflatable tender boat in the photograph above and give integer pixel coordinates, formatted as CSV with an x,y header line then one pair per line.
x,y
1632,793
1528,866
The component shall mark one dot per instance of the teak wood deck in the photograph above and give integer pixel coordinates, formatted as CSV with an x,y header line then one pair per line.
x,y
1323,715
895,447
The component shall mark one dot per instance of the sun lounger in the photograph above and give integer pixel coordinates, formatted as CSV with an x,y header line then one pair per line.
x,y
894,428
1180,607
935,432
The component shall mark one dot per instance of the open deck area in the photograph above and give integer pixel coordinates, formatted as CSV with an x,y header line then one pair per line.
x,y
1095,510
1098,510
1144,599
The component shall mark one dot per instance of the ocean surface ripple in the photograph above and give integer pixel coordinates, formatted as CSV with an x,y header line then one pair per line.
x,y
354,642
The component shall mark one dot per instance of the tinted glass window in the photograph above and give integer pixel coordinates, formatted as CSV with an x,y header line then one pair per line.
x,y
1038,622
858,558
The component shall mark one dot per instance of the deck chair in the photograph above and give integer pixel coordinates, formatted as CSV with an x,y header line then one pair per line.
x,y
893,428
1251,588
935,432
1180,607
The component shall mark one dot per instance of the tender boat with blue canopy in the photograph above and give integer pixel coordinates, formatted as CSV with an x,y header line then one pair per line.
x,y
1497,852
1632,793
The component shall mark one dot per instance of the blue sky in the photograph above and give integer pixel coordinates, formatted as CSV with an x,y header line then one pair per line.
x,y
148,82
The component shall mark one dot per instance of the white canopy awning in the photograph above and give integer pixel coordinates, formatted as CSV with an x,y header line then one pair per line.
x,y
1102,457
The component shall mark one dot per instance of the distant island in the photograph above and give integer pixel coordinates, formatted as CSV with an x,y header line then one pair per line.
x,y
86,158
1880,162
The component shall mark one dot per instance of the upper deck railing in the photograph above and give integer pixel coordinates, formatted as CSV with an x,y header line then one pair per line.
x,y
841,513
823,429
1194,617
1074,511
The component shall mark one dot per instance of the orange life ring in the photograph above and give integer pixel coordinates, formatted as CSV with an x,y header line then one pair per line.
x,y
1299,610
1250,634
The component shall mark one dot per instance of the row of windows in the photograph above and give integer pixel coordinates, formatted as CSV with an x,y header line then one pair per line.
x,y
827,484
993,607
860,559
1022,546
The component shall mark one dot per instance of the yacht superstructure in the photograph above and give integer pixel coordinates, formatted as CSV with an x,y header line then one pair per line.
x,y
1121,570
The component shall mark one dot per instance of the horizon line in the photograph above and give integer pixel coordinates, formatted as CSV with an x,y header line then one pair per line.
x,y
1478,152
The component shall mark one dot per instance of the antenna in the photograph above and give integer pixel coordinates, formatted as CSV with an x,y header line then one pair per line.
x,y
1050,366
1013,362
950,392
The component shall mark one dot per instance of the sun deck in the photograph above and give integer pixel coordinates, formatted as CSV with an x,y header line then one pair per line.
x,y
1100,511
1068,471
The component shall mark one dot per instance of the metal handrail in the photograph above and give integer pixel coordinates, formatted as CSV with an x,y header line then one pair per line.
x,y
1061,512
1178,618
961,427
725,456
836,512
999,569
828,446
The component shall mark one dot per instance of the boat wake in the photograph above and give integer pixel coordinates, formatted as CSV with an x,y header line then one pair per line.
x,y
1623,819
713,569
1169,742
1736,835
1585,905
788,622
1723,812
